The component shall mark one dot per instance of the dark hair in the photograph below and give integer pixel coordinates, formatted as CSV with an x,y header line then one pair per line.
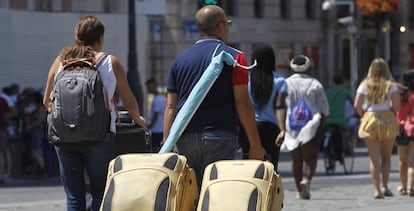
x,y
338,79
88,31
261,77
299,60
7,90
407,80
150,81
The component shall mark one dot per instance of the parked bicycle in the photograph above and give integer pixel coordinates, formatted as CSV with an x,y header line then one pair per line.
x,y
338,147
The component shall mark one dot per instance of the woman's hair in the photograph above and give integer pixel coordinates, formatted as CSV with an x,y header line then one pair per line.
x,y
88,31
407,79
378,81
407,84
261,77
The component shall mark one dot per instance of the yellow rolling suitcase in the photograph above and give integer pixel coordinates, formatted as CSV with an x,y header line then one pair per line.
x,y
150,182
250,185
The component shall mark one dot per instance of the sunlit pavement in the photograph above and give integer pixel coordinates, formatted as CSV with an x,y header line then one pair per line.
x,y
336,192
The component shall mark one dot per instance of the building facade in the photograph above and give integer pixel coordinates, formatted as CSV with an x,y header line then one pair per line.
x,y
166,27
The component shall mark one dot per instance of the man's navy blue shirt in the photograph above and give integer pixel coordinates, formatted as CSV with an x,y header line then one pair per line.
x,y
218,110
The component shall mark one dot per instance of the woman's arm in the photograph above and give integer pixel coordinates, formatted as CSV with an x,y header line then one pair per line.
x,y
125,92
359,101
395,101
281,110
49,83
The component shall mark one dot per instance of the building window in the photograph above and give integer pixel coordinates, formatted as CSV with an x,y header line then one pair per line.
x,y
310,9
19,4
285,9
111,6
227,6
43,5
107,5
411,14
258,8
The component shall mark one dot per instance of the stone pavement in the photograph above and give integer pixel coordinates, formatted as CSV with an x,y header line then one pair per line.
x,y
350,192
329,193
344,192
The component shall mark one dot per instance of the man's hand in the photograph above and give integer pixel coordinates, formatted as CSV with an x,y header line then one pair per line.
x,y
257,152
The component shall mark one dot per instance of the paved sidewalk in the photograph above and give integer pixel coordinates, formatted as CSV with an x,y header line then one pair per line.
x,y
350,192
344,192
329,193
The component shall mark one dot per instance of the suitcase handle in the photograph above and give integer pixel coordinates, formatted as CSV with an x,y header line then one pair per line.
x,y
128,128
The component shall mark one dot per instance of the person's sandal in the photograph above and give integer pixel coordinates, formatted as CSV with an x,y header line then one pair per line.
x,y
378,196
305,190
411,192
387,192
402,190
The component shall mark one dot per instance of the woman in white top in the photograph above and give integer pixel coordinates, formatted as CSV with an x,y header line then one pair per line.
x,y
376,101
94,159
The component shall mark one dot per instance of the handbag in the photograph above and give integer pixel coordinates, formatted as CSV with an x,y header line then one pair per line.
x,y
401,139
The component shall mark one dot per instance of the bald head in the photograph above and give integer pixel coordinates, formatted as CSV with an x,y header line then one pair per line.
x,y
207,19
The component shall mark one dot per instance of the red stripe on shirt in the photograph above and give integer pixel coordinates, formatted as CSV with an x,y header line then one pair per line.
x,y
240,75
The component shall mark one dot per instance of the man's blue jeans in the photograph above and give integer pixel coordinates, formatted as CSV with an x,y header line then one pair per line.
x,y
73,163
205,147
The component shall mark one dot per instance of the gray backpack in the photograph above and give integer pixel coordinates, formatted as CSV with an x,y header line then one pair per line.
x,y
79,108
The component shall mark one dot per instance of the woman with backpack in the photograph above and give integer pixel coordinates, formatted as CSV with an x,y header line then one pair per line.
x,y
307,108
93,154
405,141
268,91
376,102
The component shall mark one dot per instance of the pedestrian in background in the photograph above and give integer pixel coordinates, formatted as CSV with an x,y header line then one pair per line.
x,y
405,141
33,116
304,149
337,127
211,135
156,115
12,132
4,118
74,158
377,100
267,91
337,96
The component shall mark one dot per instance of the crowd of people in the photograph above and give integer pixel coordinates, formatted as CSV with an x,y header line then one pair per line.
x,y
25,151
257,110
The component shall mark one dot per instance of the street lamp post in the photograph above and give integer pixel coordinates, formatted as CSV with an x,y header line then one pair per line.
x,y
132,74
351,24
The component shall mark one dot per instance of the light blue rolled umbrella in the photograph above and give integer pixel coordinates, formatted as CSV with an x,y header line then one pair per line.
x,y
195,98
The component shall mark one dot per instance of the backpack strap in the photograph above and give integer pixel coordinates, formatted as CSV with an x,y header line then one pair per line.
x,y
83,62
100,58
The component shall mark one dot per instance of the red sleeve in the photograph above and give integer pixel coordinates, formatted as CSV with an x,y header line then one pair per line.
x,y
240,75
402,113
405,109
